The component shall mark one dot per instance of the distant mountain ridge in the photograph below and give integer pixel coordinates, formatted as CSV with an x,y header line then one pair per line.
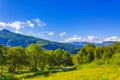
x,y
9,38
104,43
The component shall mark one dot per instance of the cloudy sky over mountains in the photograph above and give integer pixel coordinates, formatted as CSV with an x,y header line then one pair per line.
x,y
63,21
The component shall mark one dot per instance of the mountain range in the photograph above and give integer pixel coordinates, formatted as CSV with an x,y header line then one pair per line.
x,y
10,39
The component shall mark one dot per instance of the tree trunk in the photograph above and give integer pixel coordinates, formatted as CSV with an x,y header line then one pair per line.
x,y
35,64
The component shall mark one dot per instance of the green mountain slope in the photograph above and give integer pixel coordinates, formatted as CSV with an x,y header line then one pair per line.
x,y
9,38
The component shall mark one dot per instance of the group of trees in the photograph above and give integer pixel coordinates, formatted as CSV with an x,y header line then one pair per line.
x,y
35,58
101,55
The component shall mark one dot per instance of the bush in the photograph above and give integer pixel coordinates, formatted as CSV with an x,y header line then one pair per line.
x,y
106,58
98,62
47,67
115,60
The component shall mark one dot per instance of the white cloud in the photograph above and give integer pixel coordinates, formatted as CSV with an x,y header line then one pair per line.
x,y
92,39
74,38
41,35
18,25
27,34
30,24
62,34
30,32
18,32
3,24
50,33
113,38
39,22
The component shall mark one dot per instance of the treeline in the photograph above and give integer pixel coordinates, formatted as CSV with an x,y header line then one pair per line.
x,y
35,58
100,55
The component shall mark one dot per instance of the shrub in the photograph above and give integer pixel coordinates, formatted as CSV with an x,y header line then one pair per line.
x,y
115,59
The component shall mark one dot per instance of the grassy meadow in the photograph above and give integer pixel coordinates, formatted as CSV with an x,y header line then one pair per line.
x,y
89,73
84,72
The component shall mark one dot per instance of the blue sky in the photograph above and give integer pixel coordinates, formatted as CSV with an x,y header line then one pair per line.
x,y
63,20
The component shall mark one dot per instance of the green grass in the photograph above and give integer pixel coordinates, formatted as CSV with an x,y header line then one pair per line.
x,y
84,72
88,73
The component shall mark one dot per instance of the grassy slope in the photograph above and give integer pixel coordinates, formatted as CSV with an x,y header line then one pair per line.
x,y
85,72
88,73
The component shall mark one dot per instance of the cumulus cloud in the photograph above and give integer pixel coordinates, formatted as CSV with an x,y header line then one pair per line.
x,y
3,24
74,38
18,25
30,24
113,38
18,32
62,34
92,39
50,33
39,22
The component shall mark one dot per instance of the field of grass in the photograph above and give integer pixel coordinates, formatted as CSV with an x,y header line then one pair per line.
x,y
85,72
88,73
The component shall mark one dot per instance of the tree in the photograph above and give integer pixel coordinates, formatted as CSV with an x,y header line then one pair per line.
x,y
35,53
67,60
50,58
75,59
2,57
99,52
17,58
89,52
58,56
107,55
62,57
81,56
115,60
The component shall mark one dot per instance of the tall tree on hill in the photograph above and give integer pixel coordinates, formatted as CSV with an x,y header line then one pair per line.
x,y
50,58
35,53
58,56
99,52
17,58
90,52
67,60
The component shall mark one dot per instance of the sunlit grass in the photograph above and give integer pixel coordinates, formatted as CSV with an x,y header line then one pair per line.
x,y
99,73
84,72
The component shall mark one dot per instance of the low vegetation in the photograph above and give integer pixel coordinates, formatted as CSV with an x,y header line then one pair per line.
x,y
88,73
33,62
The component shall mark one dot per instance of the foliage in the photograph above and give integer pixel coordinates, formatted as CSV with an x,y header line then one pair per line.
x,y
35,52
17,58
35,58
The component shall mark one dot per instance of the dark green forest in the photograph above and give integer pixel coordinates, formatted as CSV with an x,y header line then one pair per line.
x,y
34,58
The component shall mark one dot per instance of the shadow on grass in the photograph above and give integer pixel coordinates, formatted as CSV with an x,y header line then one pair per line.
x,y
40,73
8,77
22,72
48,72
